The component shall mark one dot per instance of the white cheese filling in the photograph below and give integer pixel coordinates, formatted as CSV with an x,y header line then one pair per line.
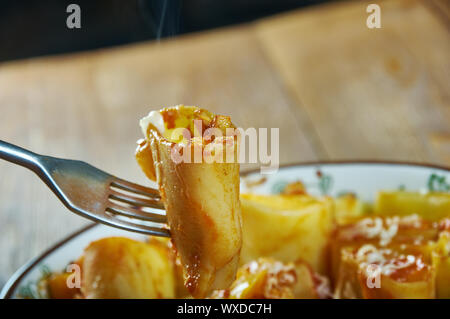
x,y
155,118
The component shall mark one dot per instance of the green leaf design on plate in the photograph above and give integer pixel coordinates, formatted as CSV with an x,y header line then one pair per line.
x,y
438,183
45,271
279,187
325,183
28,291
35,289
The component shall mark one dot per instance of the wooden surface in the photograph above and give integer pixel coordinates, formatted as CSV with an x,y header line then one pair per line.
x,y
336,90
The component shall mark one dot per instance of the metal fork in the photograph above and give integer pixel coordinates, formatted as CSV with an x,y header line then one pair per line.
x,y
94,194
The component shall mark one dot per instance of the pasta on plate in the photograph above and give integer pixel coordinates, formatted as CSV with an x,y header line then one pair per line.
x,y
225,244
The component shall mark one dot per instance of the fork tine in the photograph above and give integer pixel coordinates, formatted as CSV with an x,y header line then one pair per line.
x,y
135,188
135,201
135,213
143,229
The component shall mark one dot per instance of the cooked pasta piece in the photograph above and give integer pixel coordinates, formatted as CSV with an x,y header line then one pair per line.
x,y
270,279
286,228
201,195
348,207
380,232
441,262
431,206
393,272
58,288
122,268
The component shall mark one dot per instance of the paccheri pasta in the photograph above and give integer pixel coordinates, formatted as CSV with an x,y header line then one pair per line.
x,y
292,245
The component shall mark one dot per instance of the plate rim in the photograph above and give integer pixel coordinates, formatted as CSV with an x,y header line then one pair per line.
x,y
12,283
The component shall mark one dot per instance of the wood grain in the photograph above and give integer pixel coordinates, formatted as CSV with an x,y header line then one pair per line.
x,y
370,93
441,8
336,90
87,107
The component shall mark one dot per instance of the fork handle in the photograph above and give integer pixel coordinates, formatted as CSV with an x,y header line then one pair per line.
x,y
20,156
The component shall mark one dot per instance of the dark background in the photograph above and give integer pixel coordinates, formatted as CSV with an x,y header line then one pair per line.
x,y
38,27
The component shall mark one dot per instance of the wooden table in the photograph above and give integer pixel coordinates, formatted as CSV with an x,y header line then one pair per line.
x,y
336,90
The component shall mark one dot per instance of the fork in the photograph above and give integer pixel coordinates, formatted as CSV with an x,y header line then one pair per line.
x,y
93,193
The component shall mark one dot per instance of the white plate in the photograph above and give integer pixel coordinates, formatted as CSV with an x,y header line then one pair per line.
x,y
362,178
